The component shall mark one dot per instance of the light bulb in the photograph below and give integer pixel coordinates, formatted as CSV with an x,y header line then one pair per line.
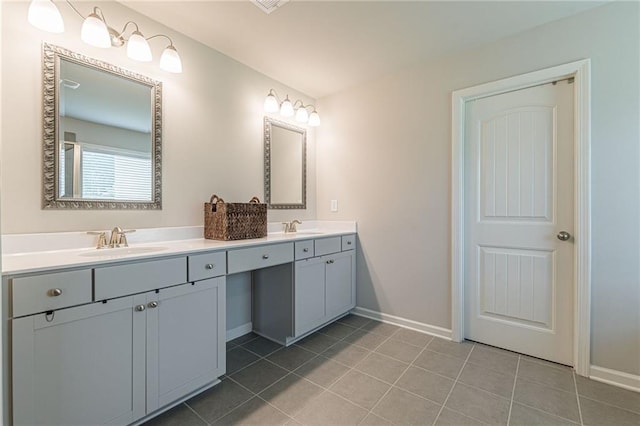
x,y
94,31
302,115
170,60
271,103
138,48
286,109
314,119
44,15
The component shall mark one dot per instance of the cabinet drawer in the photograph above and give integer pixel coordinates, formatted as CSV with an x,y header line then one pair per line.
x,y
120,280
304,249
207,265
348,242
327,245
249,259
50,291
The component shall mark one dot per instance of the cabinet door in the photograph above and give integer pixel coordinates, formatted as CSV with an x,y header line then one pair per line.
x,y
186,335
340,285
80,366
309,294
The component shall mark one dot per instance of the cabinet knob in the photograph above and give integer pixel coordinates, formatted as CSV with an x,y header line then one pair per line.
x,y
140,308
305,250
55,292
153,304
348,243
265,256
329,262
210,266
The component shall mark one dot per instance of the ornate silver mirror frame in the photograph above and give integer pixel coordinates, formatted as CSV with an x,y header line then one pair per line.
x,y
51,57
285,165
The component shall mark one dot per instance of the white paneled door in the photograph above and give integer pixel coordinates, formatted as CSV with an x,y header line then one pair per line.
x,y
519,268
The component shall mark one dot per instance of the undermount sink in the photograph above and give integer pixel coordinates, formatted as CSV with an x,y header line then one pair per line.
x,y
123,251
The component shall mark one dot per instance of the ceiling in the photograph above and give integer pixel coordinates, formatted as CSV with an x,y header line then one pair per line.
x,y
322,47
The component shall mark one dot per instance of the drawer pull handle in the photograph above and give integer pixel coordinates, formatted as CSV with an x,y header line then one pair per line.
x,y
265,256
153,304
348,243
306,250
210,266
140,308
55,292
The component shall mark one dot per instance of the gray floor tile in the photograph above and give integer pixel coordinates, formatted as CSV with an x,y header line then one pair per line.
x,y
459,350
479,404
346,354
238,358
494,358
526,416
291,357
490,380
330,409
609,394
399,350
291,394
261,346
337,330
426,384
258,376
255,412
596,413
380,328
439,363
382,367
354,320
361,389
242,339
402,408
551,400
545,362
322,371
317,342
219,400
180,415
453,418
546,375
365,339
412,337
373,420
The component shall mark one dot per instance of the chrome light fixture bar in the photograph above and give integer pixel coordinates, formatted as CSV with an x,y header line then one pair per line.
x,y
286,108
44,15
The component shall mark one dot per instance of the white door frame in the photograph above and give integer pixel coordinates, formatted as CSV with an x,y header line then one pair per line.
x,y
581,72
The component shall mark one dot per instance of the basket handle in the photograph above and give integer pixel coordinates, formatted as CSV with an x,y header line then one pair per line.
x,y
255,200
216,198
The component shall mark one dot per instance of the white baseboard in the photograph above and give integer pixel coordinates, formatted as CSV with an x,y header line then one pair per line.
x,y
615,378
239,331
403,322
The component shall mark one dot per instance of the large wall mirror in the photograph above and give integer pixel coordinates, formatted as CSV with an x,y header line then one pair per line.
x,y
285,165
102,134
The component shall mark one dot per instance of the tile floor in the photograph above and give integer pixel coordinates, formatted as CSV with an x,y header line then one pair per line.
x,y
362,372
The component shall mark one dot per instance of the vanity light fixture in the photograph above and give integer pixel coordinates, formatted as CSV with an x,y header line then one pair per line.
x,y
288,109
44,14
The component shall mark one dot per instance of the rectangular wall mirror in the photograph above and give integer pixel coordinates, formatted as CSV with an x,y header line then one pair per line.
x,y
285,165
102,134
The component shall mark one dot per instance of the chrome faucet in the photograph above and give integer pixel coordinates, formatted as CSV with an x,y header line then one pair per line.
x,y
118,238
291,226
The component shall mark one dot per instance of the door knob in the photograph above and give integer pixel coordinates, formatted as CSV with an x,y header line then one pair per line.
x,y
563,235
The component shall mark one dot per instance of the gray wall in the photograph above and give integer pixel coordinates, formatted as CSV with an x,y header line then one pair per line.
x,y
384,151
212,126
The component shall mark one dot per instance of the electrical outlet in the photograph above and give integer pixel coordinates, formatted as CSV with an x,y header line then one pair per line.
x,y
334,205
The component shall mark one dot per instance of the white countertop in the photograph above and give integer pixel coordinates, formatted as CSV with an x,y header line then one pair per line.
x,y
17,258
